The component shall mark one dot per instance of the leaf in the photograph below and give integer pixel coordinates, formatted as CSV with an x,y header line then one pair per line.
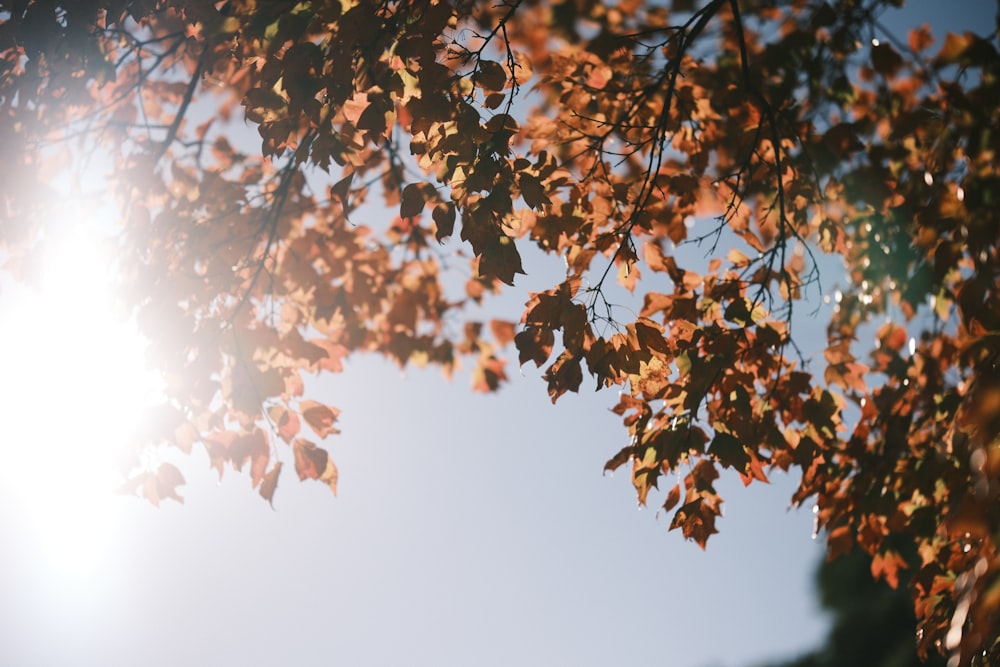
x,y
330,476
645,472
696,520
488,373
310,460
490,75
886,565
444,220
534,344
341,190
619,459
954,48
262,106
850,375
729,451
564,375
754,469
270,483
500,260
738,259
653,254
321,418
649,336
885,60
673,497
412,203
217,445
251,446
168,478
532,191
503,331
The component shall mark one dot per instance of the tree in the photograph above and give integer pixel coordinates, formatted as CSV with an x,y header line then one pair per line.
x,y
872,622
771,134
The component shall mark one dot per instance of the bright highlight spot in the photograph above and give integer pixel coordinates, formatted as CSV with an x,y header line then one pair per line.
x,y
73,385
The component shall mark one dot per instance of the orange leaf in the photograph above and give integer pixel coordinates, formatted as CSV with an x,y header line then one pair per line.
x,y
310,460
321,418
886,566
673,497
503,331
286,421
270,483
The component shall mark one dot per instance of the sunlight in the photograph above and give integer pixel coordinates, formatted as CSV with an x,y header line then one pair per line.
x,y
73,383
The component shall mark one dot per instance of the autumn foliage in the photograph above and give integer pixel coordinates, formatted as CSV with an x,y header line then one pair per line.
x,y
253,147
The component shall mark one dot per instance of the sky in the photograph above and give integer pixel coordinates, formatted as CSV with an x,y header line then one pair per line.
x,y
468,529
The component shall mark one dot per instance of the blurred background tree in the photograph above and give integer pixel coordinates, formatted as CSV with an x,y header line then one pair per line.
x,y
872,623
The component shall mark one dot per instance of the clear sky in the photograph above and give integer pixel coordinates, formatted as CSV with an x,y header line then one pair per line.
x,y
469,530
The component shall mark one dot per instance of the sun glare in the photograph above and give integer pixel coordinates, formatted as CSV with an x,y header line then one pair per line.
x,y
72,384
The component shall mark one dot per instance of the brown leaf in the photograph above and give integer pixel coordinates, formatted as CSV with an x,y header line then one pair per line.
x,y
696,520
330,475
321,418
673,497
649,336
729,451
310,460
532,191
885,59
444,220
248,446
286,421
500,259
645,472
886,565
217,446
490,75
564,375
503,331
412,201
168,478
534,344
488,373
270,483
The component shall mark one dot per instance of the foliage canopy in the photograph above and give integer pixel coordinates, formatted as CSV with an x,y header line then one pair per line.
x,y
606,134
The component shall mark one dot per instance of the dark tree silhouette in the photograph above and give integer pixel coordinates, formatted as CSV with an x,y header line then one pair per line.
x,y
872,623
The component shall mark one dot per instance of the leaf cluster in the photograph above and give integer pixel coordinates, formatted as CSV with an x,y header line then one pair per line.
x,y
605,134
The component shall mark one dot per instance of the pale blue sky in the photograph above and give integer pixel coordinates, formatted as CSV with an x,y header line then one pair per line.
x,y
469,530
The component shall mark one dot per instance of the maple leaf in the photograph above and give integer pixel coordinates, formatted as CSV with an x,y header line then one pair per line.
x,y
503,331
163,484
270,483
500,259
696,520
321,418
488,373
251,447
286,421
645,471
312,462
729,451
673,497
490,75
886,565
412,203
